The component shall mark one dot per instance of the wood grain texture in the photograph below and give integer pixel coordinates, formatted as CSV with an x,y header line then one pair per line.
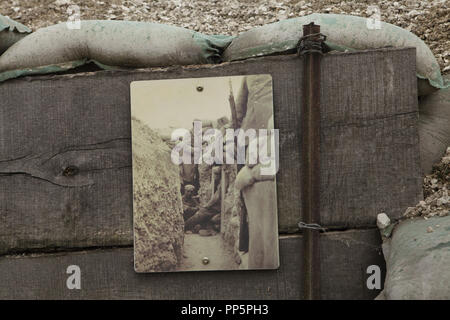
x,y
109,274
369,149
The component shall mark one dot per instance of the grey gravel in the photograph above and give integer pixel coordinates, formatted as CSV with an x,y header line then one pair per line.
x,y
436,191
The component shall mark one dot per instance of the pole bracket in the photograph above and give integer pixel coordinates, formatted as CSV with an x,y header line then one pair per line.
x,y
312,43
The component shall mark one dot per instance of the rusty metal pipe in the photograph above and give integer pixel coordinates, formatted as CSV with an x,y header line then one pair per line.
x,y
310,153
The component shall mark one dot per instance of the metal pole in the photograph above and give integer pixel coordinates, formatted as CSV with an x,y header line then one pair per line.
x,y
311,50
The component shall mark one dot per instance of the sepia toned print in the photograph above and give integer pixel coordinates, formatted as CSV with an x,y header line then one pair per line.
x,y
204,165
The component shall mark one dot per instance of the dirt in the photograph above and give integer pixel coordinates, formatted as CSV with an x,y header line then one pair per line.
x,y
157,205
436,192
430,20
197,247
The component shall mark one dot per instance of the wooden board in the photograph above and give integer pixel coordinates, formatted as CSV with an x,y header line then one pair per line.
x,y
369,149
109,274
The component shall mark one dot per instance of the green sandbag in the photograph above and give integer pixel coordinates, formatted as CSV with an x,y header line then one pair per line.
x,y
418,261
343,32
10,32
109,44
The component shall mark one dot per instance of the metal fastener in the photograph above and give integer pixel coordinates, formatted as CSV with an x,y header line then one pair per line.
x,y
205,260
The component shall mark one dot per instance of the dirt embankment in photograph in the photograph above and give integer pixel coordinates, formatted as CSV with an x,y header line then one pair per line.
x,y
158,209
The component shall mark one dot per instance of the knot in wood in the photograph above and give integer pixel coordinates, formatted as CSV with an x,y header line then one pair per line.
x,y
70,171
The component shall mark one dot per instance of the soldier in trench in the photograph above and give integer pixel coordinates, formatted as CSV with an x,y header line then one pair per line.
x,y
189,171
259,194
189,176
190,202
254,110
208,216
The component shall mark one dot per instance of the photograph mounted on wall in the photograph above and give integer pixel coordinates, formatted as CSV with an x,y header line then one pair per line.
x,y
205,158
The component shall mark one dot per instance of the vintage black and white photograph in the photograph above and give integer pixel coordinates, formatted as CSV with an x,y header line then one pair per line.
x,y
204,165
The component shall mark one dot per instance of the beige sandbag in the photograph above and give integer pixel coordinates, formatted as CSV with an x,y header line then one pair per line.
x,y
342,31
113,43
418,259
434,127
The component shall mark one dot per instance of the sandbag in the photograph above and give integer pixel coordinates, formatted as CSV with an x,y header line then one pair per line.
x,y
434,127
343,32
10,32
109,44
418,259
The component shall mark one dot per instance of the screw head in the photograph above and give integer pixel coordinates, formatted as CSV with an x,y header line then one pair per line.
x,y
205,260
199,88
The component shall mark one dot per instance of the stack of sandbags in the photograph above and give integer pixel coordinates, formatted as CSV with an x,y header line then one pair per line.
x,y
417,249
140,44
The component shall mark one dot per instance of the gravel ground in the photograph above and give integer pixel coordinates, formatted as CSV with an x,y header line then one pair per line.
x,y
430,20
436,191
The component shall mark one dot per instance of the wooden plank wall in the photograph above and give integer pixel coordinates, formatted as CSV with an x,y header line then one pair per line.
x,y
369,154
109,274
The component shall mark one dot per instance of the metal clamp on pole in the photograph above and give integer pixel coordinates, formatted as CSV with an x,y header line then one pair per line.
x,y
312,43
310,48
